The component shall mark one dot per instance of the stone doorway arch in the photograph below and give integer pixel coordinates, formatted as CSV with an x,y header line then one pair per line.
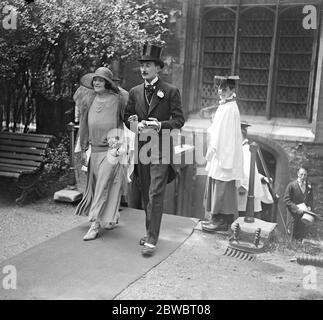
x,y
281,176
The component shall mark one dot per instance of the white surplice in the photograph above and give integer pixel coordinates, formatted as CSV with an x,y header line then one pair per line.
x,y
226,138
258,189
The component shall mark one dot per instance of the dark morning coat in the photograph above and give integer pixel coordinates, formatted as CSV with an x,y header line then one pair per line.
x,y
166,106
294,196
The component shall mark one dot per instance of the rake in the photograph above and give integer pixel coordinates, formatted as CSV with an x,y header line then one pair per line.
x,y
249,234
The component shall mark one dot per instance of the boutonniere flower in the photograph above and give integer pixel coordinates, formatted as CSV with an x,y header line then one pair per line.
x,y
160,94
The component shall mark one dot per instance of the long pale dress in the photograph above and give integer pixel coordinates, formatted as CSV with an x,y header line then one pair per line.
x,y
105,183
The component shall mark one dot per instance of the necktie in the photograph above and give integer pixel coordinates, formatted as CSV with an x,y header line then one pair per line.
x,y
149,91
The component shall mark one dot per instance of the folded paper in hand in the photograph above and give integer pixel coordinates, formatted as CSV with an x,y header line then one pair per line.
x,y
302,206
150,123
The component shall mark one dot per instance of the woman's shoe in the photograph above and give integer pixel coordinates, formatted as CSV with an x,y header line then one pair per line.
x,y
93,232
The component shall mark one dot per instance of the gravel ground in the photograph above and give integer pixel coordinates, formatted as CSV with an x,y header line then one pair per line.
x,y
197,270
24,227
200,271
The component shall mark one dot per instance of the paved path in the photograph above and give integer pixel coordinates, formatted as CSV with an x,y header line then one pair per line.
x,y
66,267
196,270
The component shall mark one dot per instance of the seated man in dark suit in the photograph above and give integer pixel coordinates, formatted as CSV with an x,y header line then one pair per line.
x,y
297,192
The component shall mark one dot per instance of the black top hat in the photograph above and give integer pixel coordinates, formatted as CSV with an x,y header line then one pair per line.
x,y
222,81
152,53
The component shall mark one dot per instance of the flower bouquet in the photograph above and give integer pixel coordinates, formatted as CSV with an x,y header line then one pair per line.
x,y
116,148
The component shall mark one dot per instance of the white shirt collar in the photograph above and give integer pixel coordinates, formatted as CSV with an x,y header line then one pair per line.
x,y
301,183
152,82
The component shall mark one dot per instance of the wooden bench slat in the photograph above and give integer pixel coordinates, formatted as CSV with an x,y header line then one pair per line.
x,y
26,137
24,150
9,174
16,134
22,162
21,166
16,169
20,156
19,143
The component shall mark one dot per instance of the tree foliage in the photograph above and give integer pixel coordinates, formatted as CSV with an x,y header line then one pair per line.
x,y
57,41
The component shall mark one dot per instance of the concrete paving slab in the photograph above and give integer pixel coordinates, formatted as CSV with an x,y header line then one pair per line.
x,y
66,267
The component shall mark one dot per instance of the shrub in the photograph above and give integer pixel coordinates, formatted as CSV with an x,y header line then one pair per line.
x,y
56,161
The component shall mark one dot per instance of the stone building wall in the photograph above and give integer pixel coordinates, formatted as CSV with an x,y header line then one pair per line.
x,y
310,155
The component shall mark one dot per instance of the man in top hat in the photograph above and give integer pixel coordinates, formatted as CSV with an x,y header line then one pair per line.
x,y
154,108
224,159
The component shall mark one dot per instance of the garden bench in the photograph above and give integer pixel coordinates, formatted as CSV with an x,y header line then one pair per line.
x,y
22,159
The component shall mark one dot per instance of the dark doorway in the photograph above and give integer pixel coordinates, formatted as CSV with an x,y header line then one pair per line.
x,y
270,162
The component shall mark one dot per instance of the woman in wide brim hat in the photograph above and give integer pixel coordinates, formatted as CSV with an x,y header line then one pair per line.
x,y
102,72
101,114
85,92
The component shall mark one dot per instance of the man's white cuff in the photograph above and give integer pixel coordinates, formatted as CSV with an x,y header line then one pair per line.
x,y
159,126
